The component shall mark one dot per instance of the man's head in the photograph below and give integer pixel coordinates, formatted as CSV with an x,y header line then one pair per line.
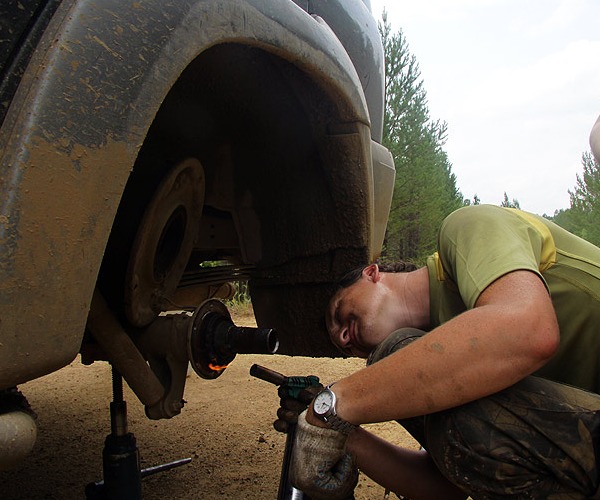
x,y
361,313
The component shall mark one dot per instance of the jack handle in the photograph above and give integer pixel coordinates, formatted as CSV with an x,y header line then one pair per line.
x,y
286,490
268,375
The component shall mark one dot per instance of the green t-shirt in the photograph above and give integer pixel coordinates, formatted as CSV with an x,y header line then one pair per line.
x,y
479,244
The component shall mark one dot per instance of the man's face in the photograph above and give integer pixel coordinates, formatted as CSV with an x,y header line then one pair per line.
x,y
355,317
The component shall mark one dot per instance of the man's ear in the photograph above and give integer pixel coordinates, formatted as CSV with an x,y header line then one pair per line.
x,y
371,273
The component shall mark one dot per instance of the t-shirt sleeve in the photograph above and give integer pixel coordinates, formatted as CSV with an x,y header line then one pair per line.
x,y
479,244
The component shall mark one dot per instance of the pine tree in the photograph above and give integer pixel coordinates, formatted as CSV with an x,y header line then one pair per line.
x,y
583,216
425,190
585,200
508,203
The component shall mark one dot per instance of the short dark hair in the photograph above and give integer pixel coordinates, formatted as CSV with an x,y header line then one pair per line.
x,y
353,276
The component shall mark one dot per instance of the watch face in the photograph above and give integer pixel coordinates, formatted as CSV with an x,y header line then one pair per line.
x,y
323,402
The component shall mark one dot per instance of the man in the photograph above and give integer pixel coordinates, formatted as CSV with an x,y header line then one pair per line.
x,y
507,295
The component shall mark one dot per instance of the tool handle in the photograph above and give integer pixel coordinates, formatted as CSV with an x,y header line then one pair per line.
x,y
267,375
286,491
164,467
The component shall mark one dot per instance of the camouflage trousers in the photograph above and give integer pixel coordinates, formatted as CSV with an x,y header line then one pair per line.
x,y
535,440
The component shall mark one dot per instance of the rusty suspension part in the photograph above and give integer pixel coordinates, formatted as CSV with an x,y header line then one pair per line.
x,y
122,352
154,361
214,340
208,340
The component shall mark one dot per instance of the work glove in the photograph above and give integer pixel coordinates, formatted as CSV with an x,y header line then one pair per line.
x,y
295,396
320,466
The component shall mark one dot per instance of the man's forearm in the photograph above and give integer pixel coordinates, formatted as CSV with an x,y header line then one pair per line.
x,y
478,353
409,473
432,374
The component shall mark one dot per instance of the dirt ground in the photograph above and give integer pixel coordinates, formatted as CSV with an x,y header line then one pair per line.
x,y
225,427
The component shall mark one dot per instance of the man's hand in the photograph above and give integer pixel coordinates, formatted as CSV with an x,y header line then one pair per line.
x,y
295,396
320,467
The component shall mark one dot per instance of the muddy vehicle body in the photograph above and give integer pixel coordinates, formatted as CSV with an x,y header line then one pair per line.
x,y
153,152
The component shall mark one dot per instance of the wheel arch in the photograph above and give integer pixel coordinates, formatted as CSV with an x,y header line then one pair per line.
x,y
74,129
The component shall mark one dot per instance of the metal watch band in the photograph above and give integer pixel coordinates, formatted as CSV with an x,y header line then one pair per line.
x,y
337,424
333,421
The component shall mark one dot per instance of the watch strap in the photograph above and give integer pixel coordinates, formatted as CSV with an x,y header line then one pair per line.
x,y
337,424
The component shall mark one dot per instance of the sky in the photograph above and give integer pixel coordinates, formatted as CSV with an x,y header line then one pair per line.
x,y
518,84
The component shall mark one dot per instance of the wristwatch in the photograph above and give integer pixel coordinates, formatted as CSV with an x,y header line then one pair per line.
x,y
324,409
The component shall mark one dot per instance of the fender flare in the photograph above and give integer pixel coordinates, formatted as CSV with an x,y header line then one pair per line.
x,y
73,131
